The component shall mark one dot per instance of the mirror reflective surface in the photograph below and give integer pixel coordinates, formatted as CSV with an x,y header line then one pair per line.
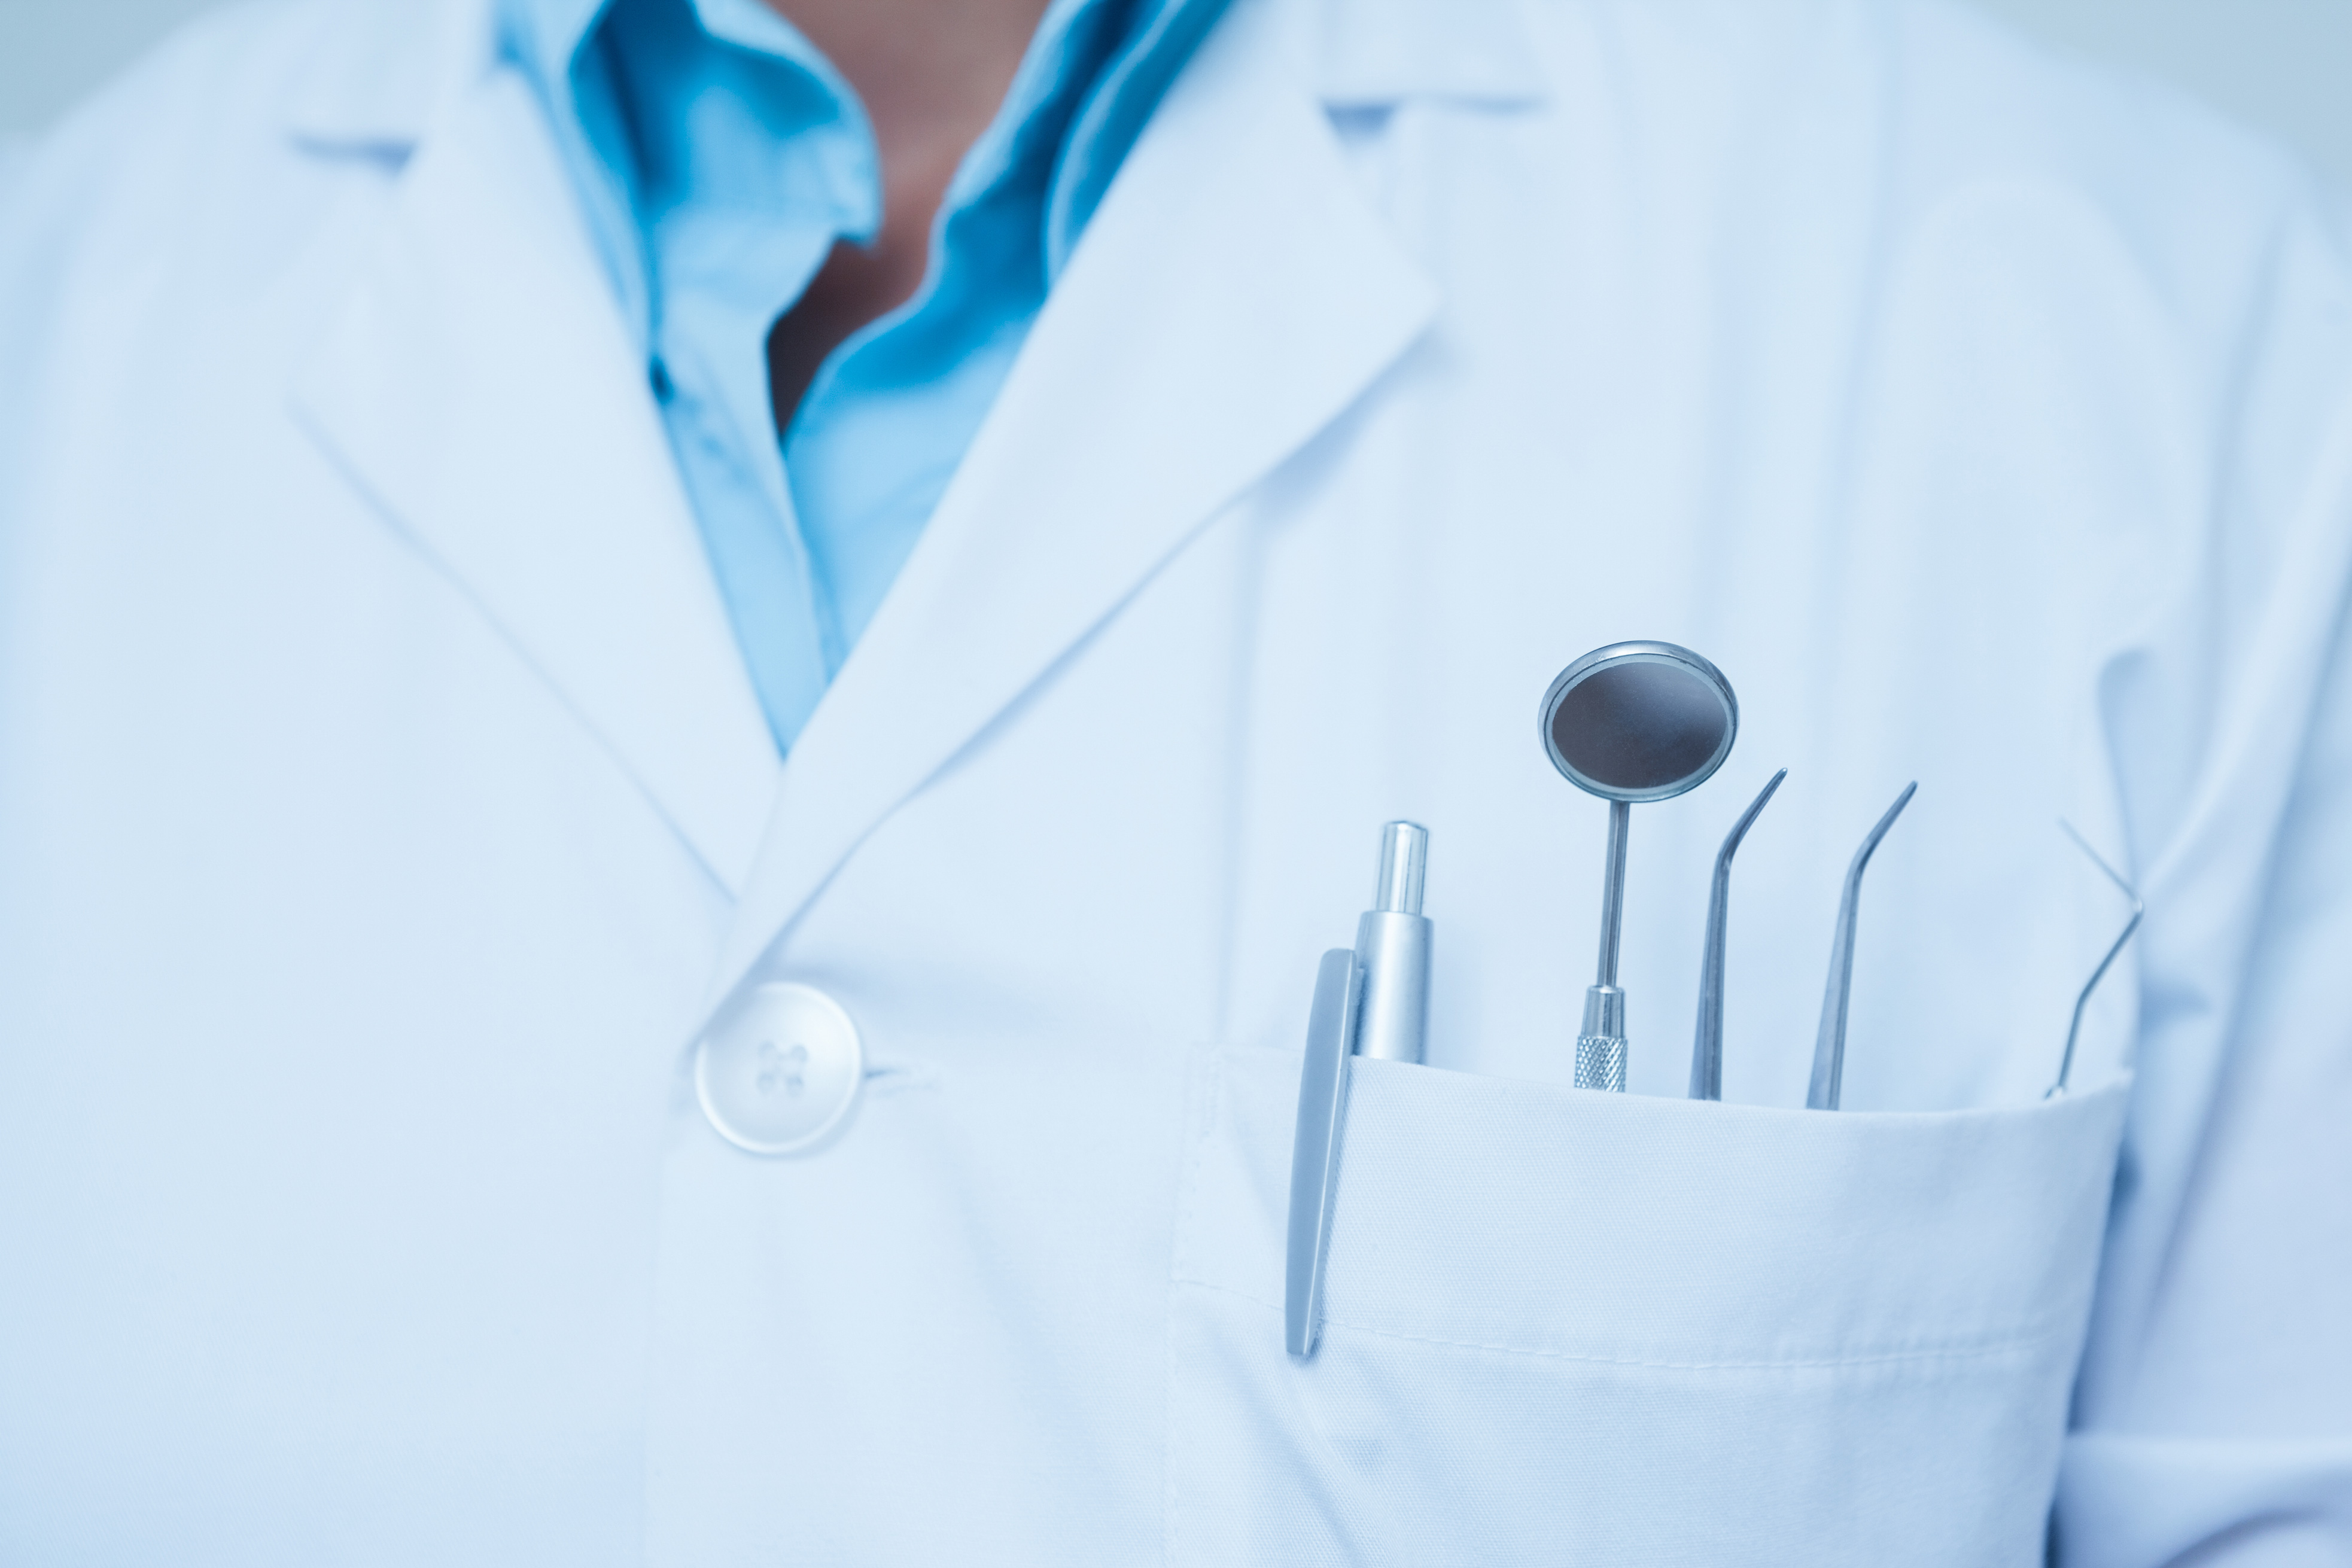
x,y
1639,721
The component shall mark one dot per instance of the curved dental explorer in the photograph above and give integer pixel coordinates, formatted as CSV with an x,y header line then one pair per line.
x,y
1706,1052
1829,1045
2139,908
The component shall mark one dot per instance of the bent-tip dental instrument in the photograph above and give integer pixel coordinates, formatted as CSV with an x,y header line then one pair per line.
x,y
1706,1048
2073,1029
1829,1045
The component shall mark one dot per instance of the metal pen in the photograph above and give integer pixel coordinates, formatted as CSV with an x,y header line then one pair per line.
x,y
1373,1001
1393,944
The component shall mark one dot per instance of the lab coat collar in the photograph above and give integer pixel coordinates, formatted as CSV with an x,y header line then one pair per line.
x,y
1233,295
496,413
380,72
479,386
1371,53
382,69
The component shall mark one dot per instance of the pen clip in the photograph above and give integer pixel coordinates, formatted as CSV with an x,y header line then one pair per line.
x,y
1315,1156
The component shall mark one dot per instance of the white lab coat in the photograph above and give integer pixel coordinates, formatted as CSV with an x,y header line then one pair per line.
x,y
385,811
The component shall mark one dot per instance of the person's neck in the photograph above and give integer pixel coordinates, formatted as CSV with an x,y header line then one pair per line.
x,y
931,74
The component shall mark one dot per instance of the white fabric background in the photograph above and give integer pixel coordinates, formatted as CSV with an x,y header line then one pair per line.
x,y
2278,63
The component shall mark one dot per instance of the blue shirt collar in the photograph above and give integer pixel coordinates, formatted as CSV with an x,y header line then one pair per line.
x,y
718,157
1127,51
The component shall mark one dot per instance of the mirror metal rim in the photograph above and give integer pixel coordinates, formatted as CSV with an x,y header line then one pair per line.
x,y
1640,653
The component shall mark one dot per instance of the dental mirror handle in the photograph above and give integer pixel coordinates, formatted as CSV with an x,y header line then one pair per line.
x,y
1600,1042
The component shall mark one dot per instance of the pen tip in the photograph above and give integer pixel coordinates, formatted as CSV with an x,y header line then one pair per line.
x,y
1404,861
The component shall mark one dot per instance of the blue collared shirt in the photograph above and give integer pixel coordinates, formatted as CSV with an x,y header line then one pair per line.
x,y
719,156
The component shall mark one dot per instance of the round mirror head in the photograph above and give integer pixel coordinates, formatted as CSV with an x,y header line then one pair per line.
x,y
1639,721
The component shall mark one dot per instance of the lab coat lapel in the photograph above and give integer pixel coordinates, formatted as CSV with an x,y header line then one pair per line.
x,y
479,386
1232,297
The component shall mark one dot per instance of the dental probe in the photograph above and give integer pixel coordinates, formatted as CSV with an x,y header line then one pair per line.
x,y
2066,1062
1706,1051
1829,1045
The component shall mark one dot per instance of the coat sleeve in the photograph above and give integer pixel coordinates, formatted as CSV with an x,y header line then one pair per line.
x,y
2213,1417
15,151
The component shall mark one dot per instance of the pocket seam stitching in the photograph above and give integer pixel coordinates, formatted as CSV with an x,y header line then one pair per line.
x,y
1942,1352
1171,1495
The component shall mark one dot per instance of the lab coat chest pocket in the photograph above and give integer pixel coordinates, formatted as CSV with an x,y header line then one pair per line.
x,y
1570,1327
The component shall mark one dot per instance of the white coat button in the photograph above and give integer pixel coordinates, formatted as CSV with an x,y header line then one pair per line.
x,y
779,1070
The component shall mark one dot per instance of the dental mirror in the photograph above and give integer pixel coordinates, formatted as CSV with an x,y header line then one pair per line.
x,y
1631,722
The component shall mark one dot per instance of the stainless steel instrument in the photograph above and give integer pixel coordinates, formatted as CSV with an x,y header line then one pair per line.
x,y
1631,722
2073,1029
1707,1049
1829,1045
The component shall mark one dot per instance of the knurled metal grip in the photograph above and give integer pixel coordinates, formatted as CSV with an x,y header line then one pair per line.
x,y
1601,1062
1600,1043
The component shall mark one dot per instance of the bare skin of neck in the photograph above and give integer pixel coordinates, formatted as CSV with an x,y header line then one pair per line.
x,y
931,74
